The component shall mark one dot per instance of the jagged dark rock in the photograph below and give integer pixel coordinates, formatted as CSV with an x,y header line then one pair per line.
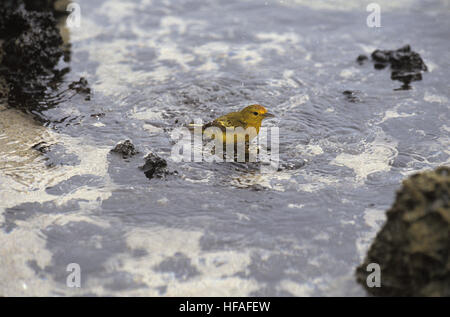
x,y
125,148
155,166
402,59
406,65
82,87
413,246
30,50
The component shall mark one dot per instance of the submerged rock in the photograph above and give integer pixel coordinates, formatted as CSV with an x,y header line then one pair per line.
x,y
406,65
125,148
413,247
155,166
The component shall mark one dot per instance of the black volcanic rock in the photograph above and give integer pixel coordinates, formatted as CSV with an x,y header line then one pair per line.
x,y
351,95
125,148
361,59
155,166
402,59
406,65
30,50
82,87
413,246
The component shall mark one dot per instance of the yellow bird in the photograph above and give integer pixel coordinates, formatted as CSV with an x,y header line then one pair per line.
x,y
249,117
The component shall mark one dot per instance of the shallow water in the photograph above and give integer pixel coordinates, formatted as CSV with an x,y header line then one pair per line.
x,y
220,229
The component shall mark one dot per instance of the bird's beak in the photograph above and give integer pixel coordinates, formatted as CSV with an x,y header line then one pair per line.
x,y
268,115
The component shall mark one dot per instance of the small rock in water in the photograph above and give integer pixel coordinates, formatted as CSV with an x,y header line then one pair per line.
x,y
406,65
126,148
98,115
41,147
155,166
401,59
413,247
81,87
351,95
361,59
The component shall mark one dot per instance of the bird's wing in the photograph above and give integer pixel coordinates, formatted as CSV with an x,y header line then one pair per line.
x,y
230,120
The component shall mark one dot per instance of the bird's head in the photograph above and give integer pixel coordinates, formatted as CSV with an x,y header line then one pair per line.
x,y
254,114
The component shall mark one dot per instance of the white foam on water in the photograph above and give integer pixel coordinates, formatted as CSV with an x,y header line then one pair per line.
x,y
308,150
349,5
217,269
296,289
376,156
278,42
26,179
429,97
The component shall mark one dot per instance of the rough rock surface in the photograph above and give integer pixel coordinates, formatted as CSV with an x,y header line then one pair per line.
x,y
81,87
155,166
125,148
413,247
406,65
31,46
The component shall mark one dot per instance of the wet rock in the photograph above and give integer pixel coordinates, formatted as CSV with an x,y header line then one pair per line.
x,y
4,90
406,65
155,166
56,6
31,48
413,247
41,147
361,59
401,59
125,148
351,95
81,87
98,115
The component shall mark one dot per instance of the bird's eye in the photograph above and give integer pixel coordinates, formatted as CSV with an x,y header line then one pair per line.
x,y
255,113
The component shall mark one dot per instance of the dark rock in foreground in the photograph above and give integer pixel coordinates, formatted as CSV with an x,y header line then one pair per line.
x,y
30,50
413,247
155,166
126,149
406,65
